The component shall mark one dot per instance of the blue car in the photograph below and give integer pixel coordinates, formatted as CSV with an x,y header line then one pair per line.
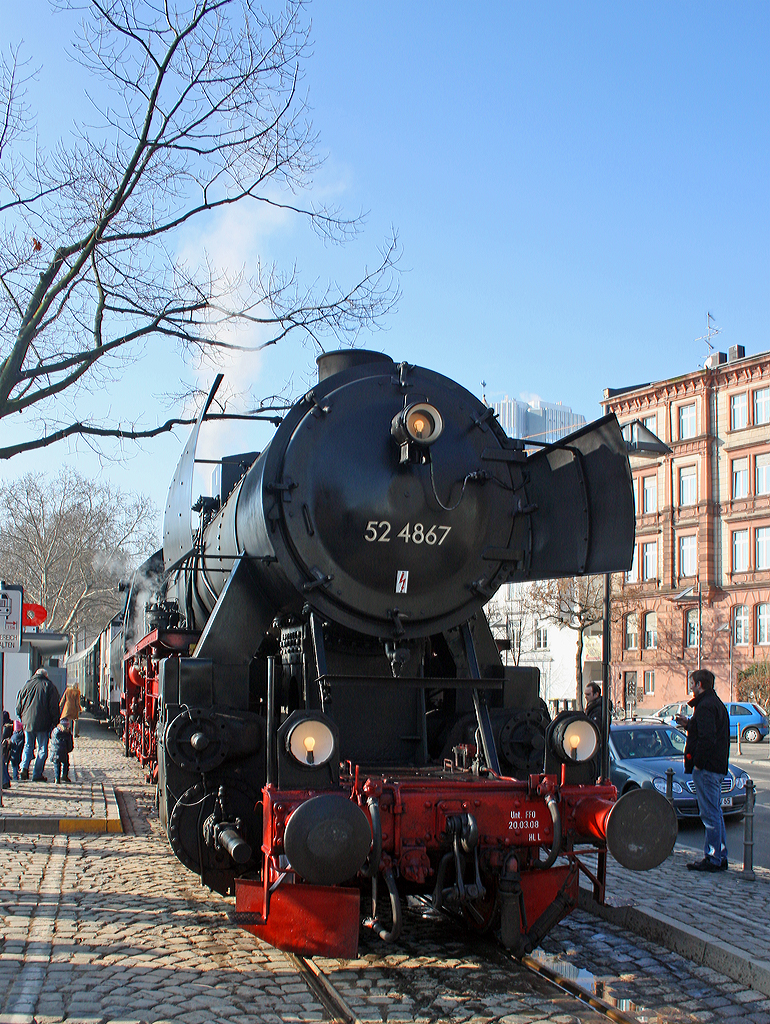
x,y
640,753
750,718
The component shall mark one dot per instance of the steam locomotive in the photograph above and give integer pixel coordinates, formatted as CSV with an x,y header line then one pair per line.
x,y
311,680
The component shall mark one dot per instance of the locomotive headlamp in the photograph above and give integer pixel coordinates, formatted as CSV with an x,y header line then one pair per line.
x,y
579,740
310,742
572,740
421,423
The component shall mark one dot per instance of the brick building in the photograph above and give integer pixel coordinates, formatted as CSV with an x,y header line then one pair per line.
x,y
699,589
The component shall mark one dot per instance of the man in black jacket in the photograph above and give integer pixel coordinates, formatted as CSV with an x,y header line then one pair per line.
x,y
705,757
38,709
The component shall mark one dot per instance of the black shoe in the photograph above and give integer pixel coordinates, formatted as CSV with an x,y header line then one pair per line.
x,y
68,779
39,778
705,865
57,781
24,775
723,864
6,785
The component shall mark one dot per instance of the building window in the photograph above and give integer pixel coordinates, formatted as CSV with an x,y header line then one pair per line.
x,y
762,465
541,637
633,573
688,555
688,486
650,561
650,494
762,406
763,623
651,630
763,547
741,551
738,412
649,682
651,422
740,478
741,625
686,421
632,631
691,628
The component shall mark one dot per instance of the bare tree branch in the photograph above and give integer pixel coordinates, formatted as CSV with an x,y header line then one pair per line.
x,y
208,116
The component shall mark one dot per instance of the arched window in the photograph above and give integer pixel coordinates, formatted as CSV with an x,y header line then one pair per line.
x,y
741,624
763,623
651,630
632,631
691,628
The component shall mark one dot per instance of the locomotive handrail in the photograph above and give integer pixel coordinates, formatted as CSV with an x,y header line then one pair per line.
x,y
435,682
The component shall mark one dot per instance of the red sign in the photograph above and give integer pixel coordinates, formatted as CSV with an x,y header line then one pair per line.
x,y
33,614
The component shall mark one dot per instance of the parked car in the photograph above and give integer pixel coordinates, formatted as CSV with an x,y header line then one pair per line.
x,y
640,753
750,718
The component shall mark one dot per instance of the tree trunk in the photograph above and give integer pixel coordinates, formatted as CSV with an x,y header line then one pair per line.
x,y
579,669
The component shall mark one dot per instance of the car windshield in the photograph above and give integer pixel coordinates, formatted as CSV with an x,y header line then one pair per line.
x,y
635,743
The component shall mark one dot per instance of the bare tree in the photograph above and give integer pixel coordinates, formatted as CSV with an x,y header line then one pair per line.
x,y
69,541
511,621
201,112
575,602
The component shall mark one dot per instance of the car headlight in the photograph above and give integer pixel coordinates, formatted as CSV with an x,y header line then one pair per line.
x,y
740,781
660,785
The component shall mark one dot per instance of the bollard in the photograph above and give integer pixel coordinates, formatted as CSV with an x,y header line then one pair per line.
x,y
748,834
670,785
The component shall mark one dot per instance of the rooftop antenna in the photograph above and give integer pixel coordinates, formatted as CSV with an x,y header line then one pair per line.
x,y
483,394
711,332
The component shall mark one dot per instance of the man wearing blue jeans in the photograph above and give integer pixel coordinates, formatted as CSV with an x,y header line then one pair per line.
x,y
705,757
38,709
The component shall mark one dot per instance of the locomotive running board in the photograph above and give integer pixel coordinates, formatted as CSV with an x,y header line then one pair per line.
x,y
311,920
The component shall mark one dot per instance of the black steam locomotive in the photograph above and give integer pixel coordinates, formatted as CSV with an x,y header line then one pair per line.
x,y
313,684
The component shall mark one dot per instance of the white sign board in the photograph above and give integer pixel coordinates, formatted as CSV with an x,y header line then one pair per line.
x,y
11,600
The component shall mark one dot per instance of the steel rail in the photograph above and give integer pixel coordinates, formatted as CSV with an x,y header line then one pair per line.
x,y
324,991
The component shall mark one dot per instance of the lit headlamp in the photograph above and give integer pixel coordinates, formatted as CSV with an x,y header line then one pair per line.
x,y
572,740
421,423
310,742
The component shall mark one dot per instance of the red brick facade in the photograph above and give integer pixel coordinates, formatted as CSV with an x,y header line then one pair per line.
x,y
703,525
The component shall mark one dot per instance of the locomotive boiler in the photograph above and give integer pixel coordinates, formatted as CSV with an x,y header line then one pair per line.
x,y
312,681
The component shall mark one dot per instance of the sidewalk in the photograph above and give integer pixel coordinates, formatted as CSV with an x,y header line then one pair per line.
x,y
87,804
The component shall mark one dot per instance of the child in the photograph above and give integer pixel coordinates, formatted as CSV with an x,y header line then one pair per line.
x,y
61,745
17,748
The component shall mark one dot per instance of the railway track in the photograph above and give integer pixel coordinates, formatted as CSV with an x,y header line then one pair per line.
x,y
449,975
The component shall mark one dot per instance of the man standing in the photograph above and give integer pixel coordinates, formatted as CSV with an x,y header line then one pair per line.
x,y
593,695
705,757
38,709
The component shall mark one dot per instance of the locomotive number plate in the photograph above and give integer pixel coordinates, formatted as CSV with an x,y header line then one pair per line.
x,y
526,825
414,533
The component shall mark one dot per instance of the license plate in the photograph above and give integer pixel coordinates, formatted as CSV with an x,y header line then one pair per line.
x,y
727,801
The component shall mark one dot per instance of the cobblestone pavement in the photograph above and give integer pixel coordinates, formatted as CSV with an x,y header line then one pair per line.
x,y
111,929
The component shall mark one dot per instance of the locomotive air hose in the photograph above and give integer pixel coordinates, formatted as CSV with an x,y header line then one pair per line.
x,y
553,806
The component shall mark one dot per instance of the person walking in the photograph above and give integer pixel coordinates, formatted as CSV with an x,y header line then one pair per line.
x,y
61,748
38,709
69,706
17,749
705,758
7,736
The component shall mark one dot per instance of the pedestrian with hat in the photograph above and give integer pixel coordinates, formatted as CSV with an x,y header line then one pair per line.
x,y
38,709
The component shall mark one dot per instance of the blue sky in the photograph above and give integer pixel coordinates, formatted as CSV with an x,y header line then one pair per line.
x,y
574,186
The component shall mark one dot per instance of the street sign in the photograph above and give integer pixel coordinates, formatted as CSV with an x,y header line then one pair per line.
x,y
11,601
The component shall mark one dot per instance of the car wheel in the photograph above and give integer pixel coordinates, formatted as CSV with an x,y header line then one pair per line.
x,y
751,735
